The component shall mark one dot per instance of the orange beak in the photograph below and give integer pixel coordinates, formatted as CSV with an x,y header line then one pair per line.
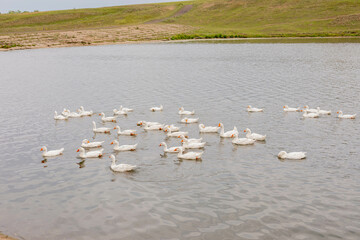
x,y
301,110
244,130
182,140
219,125
41,149
283,106
88,141
186,120
175,149
160,145
78,150
179,108
178,136
232,135
337,112
111,143
109,157
99,114
114,127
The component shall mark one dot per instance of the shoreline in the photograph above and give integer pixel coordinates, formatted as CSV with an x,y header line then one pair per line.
x,y
168,40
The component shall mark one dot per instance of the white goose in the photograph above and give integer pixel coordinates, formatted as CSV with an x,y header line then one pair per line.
x,y
154,109
190,120
227,134
251,109
187,144
310,115
183,112
119,112
189,155
347,116
82,112
100,130
323,112
289,109
87,144
242,141
117,147
65,112
126,109
121,167
170,150
255,136
60,117
204,129
107,119
310,110
51,153
140,123
191,139
172,127
91,154
148,127
292,155
175,134
128,132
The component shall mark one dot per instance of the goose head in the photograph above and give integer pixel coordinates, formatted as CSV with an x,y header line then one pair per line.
x,y
181,109
162,144
201,125
339,112
94,124
43,149
117,127
248,106
221,125
115,142
282,154
247,130
82,150
102,114
286,106
85,141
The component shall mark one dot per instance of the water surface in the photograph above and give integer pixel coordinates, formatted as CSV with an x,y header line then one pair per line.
x,y
233,193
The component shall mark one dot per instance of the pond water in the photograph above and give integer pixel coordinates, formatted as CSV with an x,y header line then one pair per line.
x,y
233,193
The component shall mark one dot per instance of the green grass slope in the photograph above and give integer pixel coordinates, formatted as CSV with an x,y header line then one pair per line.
x,y
248,18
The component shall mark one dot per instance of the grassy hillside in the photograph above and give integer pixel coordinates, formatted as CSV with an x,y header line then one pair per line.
x,y
206,18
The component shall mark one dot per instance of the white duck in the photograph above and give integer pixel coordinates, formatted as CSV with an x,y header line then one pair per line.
x,y
51,153
69,114
107,119
190,120
60,117
183,112
310,110
227,134
128,132
347,116
242,141
187,144
255,136
310,115
289,109
117,147
170,150
91,154
154,109
100,130
121,167
119,112
204,129
175,134
126,109
251,109
323,112
87,144
82,112
172,127
140,123
148,127
292,155
191,139
189,155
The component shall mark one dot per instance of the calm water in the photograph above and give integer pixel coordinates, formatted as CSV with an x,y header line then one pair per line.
x,y
233,193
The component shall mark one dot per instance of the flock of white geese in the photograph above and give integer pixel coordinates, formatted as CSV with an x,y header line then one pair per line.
x,y
173,131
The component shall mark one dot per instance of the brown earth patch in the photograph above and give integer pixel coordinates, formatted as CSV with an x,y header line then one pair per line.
x,y
102,36
347,20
